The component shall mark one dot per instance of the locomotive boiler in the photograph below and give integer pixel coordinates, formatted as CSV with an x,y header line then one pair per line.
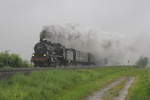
x,y
48,54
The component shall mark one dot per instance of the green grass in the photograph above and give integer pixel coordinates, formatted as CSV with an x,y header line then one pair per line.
x,y
56,84
63,84
140,89
83,90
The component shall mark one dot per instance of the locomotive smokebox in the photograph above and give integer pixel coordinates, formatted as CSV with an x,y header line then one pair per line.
x,y
40,48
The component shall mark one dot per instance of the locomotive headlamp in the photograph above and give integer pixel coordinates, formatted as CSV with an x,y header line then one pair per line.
x,y
33,55
44,55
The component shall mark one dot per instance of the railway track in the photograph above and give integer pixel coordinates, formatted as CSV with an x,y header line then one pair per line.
x,y
38,69
4,73
11,71
23,69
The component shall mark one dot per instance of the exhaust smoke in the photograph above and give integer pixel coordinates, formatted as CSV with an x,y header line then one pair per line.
x,y
111,48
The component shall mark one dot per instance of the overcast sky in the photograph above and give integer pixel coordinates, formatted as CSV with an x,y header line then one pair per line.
x,y
22,20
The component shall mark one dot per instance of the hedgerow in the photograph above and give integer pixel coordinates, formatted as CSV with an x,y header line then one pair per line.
x,y
12,60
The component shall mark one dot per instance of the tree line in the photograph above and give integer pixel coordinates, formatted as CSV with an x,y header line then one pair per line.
x,y
142,62
12,60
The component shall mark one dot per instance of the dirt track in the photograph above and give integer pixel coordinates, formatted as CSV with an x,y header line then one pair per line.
x,y
122,93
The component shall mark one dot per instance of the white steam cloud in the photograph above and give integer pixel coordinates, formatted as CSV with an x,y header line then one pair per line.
x,y
116,48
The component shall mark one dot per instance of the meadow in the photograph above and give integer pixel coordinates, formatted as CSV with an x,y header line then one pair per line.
x,y
72,84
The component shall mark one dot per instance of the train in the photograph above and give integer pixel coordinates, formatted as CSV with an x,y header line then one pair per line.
x,y
48,54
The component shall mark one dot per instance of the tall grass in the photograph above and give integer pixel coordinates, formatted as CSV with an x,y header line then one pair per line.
x,y
140,90
57,84
72,84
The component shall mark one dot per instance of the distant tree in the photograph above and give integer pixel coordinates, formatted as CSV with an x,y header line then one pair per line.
x,y
12,60
142,62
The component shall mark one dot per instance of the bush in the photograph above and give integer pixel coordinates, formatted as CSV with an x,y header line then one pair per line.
x,y
12,60
142,62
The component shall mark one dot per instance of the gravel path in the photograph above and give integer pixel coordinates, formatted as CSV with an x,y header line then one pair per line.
x,y
122,94
99,94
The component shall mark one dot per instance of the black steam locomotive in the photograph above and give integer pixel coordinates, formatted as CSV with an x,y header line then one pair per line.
x,y
48,54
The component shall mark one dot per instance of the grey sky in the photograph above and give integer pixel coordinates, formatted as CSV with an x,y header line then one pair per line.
x,y
22,20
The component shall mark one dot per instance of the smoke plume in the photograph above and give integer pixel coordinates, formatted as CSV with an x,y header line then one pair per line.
x,y
111,48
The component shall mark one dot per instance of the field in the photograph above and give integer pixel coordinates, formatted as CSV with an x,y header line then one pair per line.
x,y
73,84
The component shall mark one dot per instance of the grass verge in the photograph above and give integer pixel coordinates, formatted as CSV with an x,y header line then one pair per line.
x,y
140,89
58,84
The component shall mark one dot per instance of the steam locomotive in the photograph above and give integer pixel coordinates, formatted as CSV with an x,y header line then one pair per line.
x,y
48,54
